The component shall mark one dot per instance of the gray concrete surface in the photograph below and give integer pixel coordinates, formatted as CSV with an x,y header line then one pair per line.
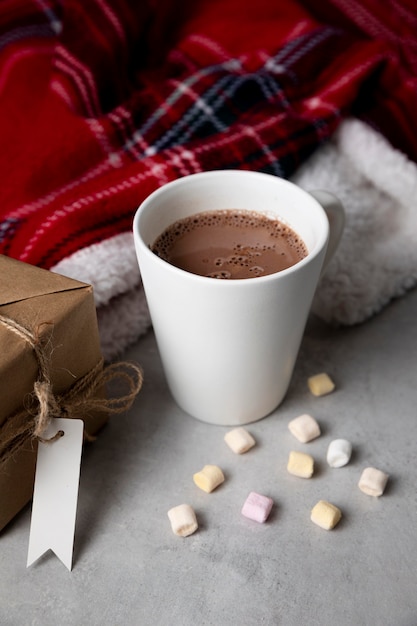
x,y
130,569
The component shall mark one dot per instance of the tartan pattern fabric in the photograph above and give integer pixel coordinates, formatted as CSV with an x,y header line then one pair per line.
x,y
103,102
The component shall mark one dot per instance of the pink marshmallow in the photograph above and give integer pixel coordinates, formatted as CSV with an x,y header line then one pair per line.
x,y
257,507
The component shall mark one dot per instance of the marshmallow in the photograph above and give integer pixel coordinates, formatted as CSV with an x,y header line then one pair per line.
x,y
300,464
320,384
325,515
257,507
209,478
304,428
239,440
339,452
373,481
183,520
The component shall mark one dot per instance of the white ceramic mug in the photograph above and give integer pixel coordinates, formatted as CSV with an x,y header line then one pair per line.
x,y
228,347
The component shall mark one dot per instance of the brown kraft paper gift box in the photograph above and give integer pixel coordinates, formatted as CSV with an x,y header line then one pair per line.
x,y
63,309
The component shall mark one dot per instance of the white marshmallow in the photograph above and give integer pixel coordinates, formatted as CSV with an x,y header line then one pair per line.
x,y
239,440
304,428
373,481
183,520
339,453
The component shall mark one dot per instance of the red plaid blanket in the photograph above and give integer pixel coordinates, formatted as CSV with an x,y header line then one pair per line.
x,y
103,101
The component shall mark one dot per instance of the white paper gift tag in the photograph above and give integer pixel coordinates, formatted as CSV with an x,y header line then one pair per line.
x,y
55,493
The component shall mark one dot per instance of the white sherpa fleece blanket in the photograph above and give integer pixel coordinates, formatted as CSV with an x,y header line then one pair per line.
x,y
375,262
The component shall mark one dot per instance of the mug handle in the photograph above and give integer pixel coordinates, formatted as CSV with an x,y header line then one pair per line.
x,y
336,216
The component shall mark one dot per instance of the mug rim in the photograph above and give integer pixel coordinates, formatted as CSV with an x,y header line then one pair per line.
x,y
143,208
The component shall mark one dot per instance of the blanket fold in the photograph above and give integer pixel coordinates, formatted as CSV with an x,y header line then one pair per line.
x,y
99,107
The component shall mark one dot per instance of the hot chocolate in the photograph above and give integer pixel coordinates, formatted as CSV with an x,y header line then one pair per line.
x,y
230,244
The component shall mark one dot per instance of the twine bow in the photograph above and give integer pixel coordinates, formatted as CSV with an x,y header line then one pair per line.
x,y
80,400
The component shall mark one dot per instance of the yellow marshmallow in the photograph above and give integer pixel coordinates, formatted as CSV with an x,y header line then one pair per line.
x,y
209,478
300,464
326,515
320,384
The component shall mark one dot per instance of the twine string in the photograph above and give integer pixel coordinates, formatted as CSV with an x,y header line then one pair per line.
x,y
81,399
